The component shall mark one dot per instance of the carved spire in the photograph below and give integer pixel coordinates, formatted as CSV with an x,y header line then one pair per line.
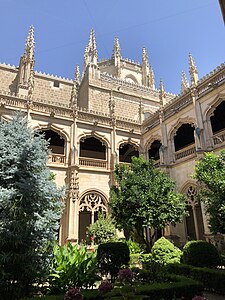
x,y
92,48
146,78
184,82
26,68
116,48
144,57
29,46
90,52
151,78
75,89
117,57
193,70
161,93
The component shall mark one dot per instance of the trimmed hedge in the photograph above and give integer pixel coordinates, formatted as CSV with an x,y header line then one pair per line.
x,y
201,254
111,257
180,287
212,279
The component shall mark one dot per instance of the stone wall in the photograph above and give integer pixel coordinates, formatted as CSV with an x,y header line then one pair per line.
x,y
8,79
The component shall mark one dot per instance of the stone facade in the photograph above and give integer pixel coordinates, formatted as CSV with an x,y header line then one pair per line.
x,y
108,114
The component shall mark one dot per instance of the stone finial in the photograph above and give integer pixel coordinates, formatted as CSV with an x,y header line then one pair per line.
x,y
184,82
144,56
116,48
90,52
193,70
75,89
161,93
117,57
151,78
92,48
29,46
77,74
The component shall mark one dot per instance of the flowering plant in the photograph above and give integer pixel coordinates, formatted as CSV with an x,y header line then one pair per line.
x,y
73,294
105,286
125,275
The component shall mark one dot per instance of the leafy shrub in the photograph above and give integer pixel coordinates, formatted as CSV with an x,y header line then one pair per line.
x,y
71,266
73,294
134,247
164,252
146,260
111,257
212,279
103,230
135,260
200,254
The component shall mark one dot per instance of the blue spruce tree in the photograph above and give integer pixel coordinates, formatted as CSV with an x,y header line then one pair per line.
x,y
30,208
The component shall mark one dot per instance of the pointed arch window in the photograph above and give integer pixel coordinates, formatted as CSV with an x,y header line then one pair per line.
x,y
218,124
194,221
126,151
90,204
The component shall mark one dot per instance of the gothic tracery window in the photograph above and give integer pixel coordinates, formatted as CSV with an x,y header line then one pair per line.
x,y
194,221
89,206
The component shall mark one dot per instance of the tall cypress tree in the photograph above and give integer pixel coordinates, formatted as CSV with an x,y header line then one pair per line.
x,y
30,207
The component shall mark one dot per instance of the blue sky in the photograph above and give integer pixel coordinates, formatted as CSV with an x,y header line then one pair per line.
x,y
168,29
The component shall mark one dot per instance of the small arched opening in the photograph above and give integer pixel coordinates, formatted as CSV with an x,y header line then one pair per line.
x,y
184,137
218,120
153,151
92,147
56,145
126,152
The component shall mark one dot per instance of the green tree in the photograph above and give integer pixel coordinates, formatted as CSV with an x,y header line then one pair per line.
x,y
144,197
103,230
210,172
30,208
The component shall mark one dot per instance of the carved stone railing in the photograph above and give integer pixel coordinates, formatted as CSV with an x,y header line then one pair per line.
x,y
92,162
219,137
187,151
56,159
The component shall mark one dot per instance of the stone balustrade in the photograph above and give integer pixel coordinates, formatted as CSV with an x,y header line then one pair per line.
x,y
56,159
184,152
92,162
219,137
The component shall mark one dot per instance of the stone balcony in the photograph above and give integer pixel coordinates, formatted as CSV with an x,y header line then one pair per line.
x,y
93,163
190,150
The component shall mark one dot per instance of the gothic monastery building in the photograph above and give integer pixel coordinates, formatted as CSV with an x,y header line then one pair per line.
x,y
109,113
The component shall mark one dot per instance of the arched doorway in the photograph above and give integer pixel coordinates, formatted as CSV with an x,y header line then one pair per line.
x,y
194,221
90,204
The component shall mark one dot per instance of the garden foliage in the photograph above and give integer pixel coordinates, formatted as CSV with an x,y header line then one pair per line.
x,y
71,266
103,230
111,257
30,208
210,172
164,252
200,254
144,197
